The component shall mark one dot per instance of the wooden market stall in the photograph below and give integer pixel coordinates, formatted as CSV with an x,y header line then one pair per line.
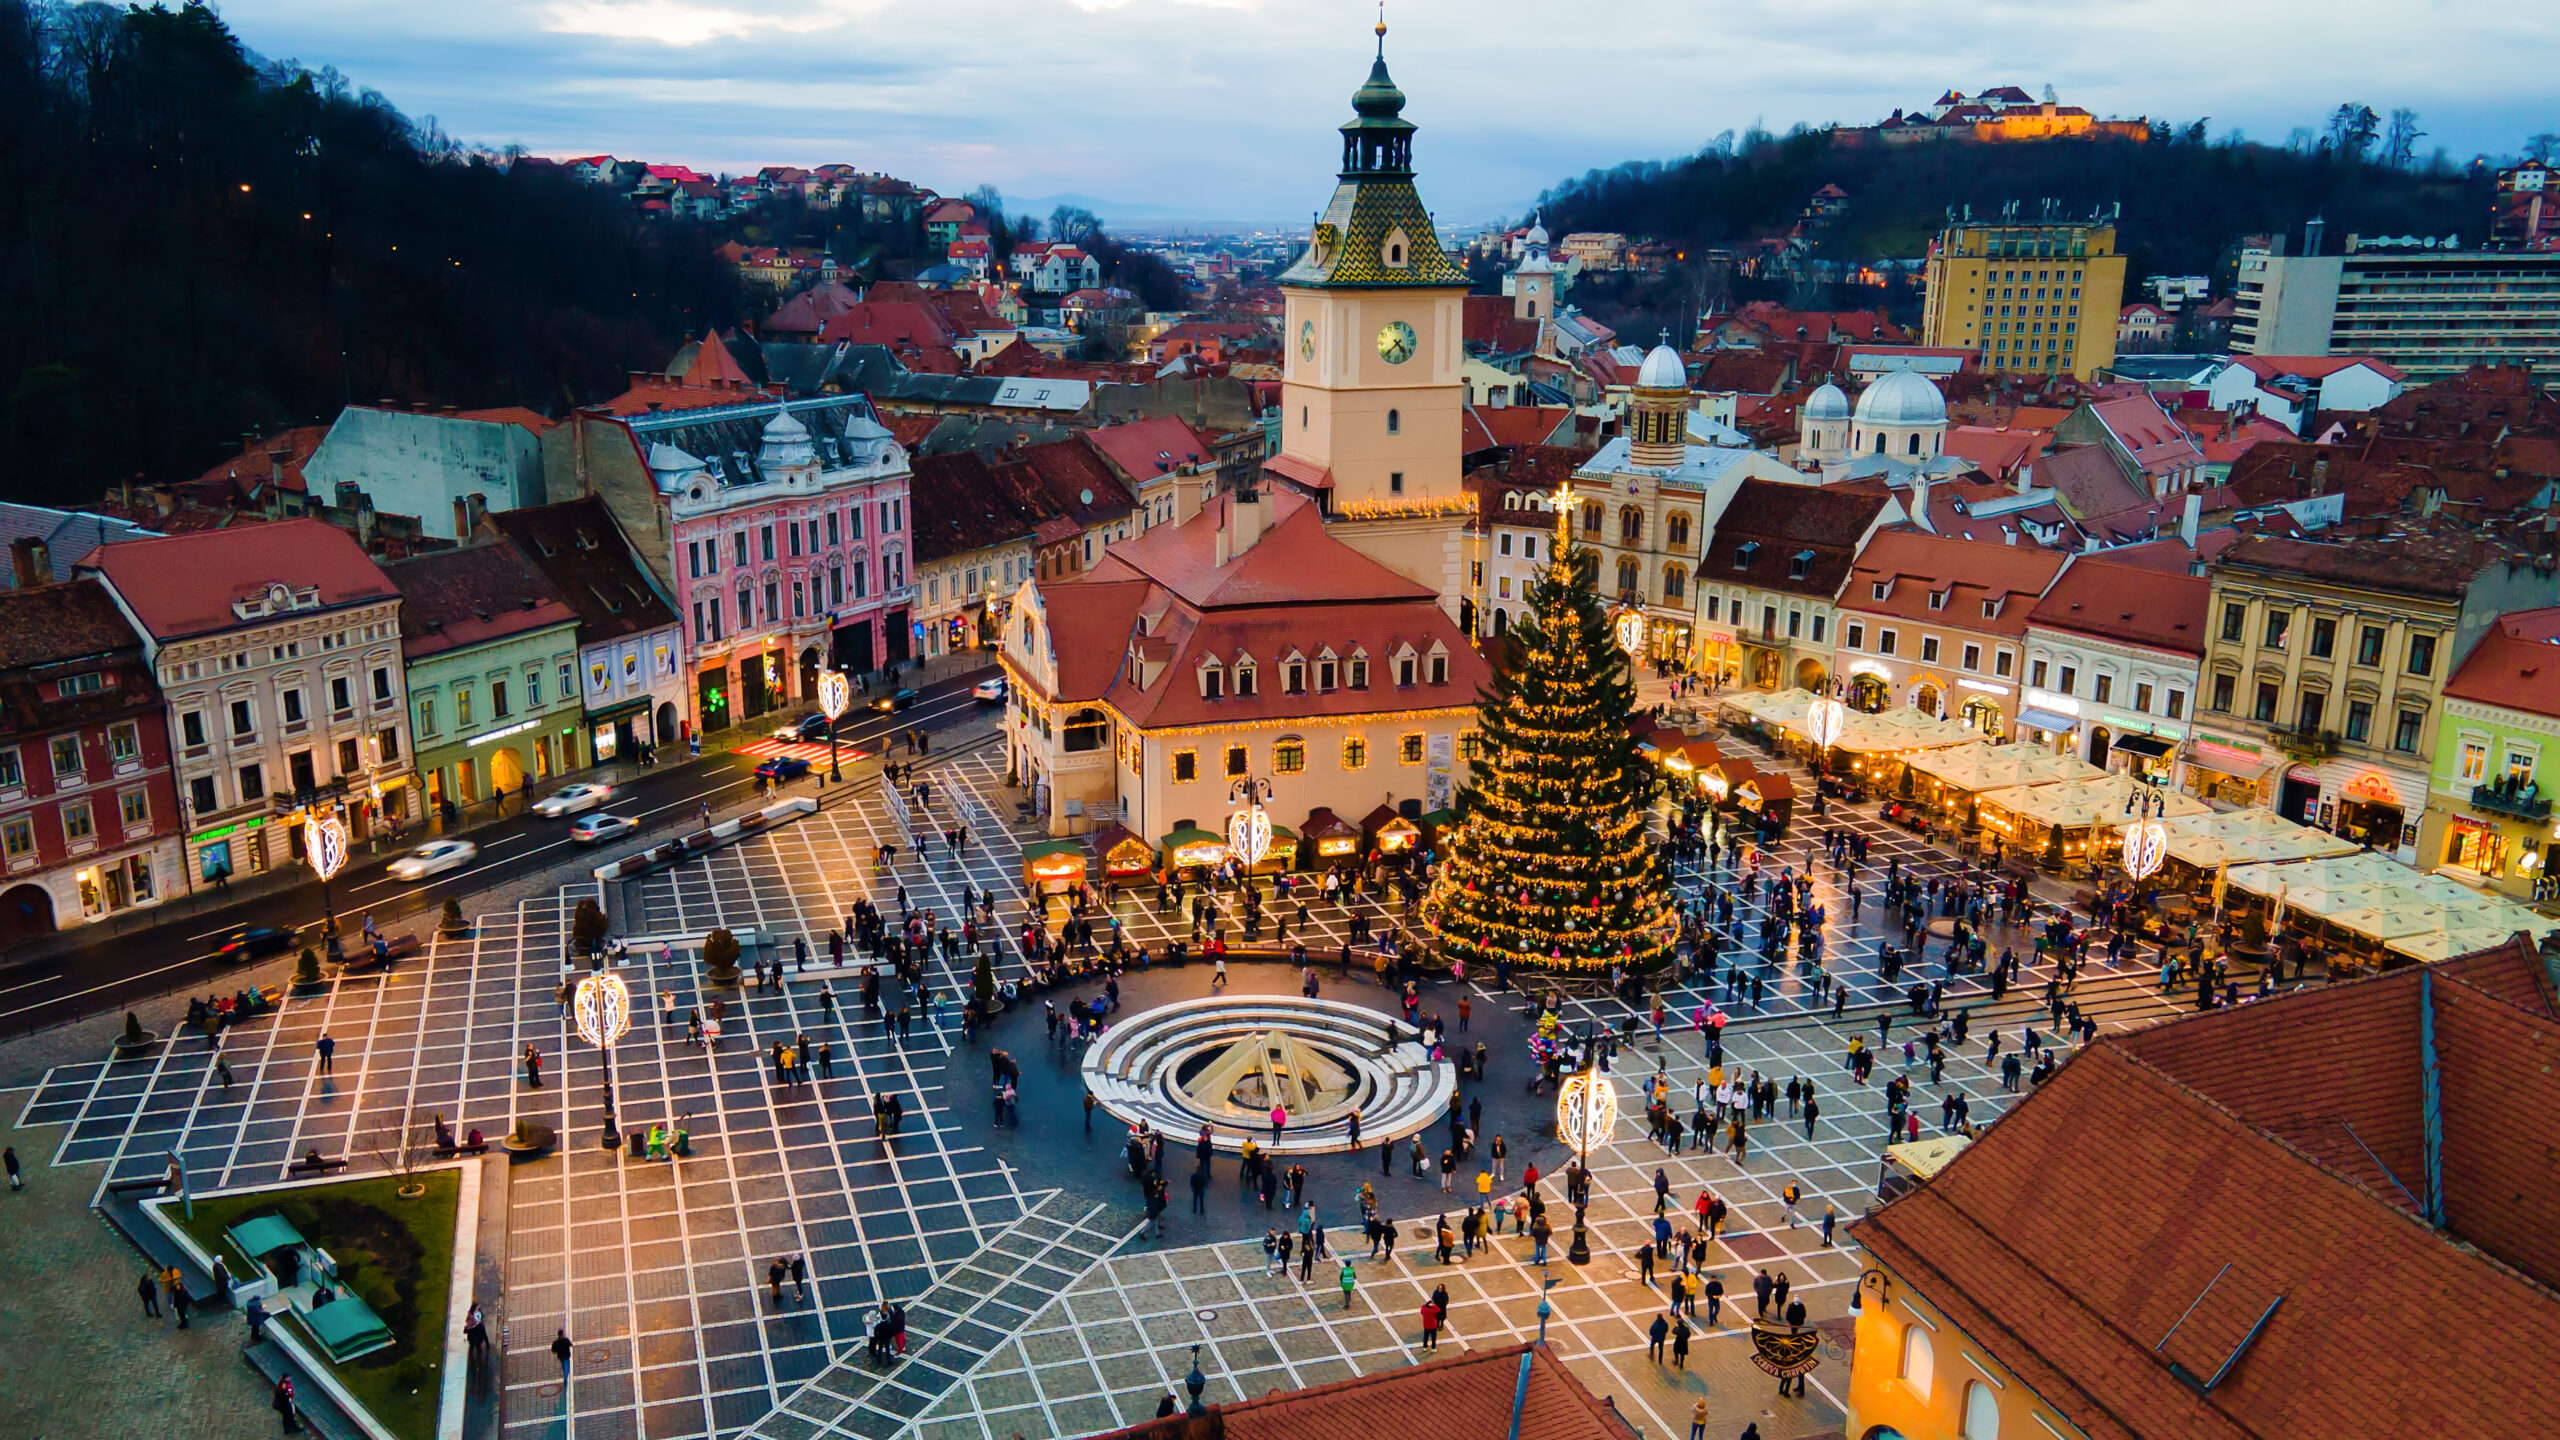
x,y
1052,867
1327,840
1190,851
1122,854
1389,835
2369,911
1768,796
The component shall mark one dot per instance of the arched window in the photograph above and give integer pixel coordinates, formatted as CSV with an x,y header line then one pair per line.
x,y
1302,417
1678,528
1919,1360
1981,1412
1879,444
1501,622
1591,518
1395,422
1915,442
1674,582
1630,578
1630,525
1086,730
1395,254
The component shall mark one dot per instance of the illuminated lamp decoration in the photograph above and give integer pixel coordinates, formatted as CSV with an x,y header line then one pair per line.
x,y
1249,834
2146,843
1628,625
1713,781
1823,720
324,843
835,693
603,1008
1586,1111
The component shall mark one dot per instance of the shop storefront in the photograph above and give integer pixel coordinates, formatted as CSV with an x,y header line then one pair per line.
x,y
618,732
1869,690
2226,770
1982,713
2365,806
1718,657
711,699
1666,641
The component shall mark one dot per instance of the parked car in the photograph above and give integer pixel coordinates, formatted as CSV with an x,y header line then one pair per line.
x,y
433,858
782,767
804,730
988,692
598,828
570,799
247,942
893,701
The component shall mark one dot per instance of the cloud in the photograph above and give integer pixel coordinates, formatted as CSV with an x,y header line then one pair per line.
x,y
1225,108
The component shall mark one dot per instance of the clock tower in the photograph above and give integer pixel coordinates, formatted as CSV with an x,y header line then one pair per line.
x,y
1371,400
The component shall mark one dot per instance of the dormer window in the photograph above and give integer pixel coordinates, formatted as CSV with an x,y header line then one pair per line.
x,y
1244,679
1294,677
1880,590
1404,670
1359,672
1213,681
1745,553
1990,609
1938,598
1439,669
1800,564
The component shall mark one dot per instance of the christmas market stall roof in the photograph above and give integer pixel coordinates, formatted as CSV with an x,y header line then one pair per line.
x,y
2243,836
2085,804
1976,768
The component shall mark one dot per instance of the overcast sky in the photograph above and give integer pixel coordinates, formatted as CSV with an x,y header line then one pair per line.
x,y
1223,109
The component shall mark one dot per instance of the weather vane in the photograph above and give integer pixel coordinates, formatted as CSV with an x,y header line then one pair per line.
x,y
1382,29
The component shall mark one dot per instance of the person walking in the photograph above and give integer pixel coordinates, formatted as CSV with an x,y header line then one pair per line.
x,y
9,1161
327,1045
149,1290
1680,1342
281,1401
1349,1281
1430,1326
1761,1287
561,1349
181,1302
800,1276
532,1067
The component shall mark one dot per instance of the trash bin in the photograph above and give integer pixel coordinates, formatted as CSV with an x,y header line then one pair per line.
x,y
638,1141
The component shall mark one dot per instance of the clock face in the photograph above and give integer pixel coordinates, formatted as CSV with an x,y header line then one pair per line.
x,y
1395,342
1307,340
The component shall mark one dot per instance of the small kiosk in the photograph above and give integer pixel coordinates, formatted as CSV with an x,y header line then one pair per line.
x,y
1124,855
1392,836
1052,867
1327,840
1191,852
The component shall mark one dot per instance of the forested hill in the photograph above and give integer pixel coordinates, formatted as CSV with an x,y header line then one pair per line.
x,y
192,246
2184,199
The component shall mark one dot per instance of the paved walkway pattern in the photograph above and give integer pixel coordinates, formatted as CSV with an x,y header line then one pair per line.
x,y
1031,1311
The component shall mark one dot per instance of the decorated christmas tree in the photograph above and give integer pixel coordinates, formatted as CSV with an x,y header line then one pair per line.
x,y
1549,867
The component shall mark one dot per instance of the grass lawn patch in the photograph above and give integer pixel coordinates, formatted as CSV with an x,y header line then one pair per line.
x,y
396,1254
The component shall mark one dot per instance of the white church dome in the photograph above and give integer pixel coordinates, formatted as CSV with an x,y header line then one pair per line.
x,y
1663,369
1827,403
1902,397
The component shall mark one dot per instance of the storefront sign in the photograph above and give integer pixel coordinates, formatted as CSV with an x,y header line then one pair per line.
x,y
2058,704
1987,688
2374,788
1870,667
516,729
2131,723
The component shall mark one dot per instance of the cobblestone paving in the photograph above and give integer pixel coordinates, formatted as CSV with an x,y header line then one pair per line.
x,y
657,1271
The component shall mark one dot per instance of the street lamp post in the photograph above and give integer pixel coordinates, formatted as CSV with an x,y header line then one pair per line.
x,y
835,692
1586,1108
603,1010
1823,721
324,847
2146,840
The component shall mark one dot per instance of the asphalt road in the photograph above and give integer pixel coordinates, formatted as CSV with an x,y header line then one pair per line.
x,y
118,970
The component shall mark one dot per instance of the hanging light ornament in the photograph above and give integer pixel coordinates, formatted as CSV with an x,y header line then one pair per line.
x,y
1629,625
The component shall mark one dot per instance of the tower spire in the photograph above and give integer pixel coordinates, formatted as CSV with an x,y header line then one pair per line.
x,y
1382,29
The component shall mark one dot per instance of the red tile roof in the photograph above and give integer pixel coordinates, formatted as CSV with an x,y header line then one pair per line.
x,y
2087,1273
1295,562
578,546
895,324
1969,572
1996,453
276,459
2314,367
2516,665
532,420
2158,443
1517,425
2138,604
48,623
184,585
453,599
1143,449
1468,1395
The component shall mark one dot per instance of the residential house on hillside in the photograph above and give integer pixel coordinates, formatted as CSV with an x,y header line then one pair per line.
x,y
89,819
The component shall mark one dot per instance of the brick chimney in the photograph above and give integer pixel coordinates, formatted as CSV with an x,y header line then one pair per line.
x,y
30,562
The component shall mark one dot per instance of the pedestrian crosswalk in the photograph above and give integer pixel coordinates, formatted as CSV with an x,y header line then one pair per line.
x,y
814,751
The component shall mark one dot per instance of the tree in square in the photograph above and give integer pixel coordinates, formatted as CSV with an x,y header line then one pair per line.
x,y
1549,866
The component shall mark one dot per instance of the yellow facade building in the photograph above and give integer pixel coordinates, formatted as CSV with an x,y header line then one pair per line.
x,y
2038,299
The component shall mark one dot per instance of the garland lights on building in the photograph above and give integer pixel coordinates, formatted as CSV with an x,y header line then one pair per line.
x,y
1549,867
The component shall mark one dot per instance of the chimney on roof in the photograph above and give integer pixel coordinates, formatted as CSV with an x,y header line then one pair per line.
x,y
30,562
1920,501
1245,520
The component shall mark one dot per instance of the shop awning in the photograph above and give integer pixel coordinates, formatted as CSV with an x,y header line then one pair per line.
x,y
2047,720
611,713
2151,745
2242,762
1925,1158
